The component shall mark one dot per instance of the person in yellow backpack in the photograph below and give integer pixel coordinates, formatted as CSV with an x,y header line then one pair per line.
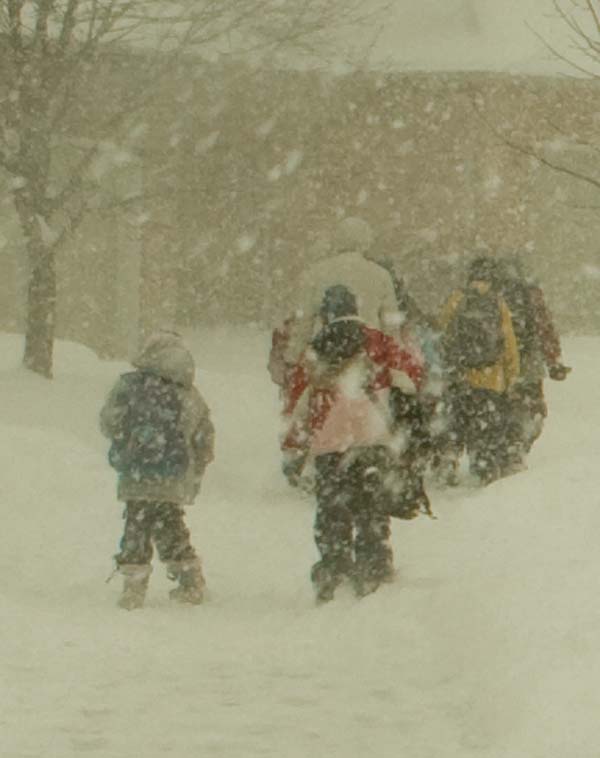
x,y
482,360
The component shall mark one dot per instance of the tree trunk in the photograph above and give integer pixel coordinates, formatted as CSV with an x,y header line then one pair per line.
x,y
41,310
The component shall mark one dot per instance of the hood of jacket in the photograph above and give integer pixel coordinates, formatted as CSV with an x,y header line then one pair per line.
x,y
165,354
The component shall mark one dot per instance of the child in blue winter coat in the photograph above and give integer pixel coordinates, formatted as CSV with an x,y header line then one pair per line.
x,y
162,440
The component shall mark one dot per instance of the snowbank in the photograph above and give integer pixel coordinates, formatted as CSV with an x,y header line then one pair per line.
x,y
484,647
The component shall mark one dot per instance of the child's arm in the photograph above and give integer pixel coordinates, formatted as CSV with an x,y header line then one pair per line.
x,y
113,410
203,437
548,335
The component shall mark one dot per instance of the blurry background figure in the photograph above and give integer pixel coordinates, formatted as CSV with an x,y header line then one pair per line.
x,y
480,354
419,412
347,266
291,380
540,354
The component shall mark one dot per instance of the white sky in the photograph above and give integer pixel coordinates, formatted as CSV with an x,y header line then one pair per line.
x,y
473,35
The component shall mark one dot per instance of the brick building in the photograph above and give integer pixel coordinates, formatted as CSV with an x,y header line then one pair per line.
x,y
245,173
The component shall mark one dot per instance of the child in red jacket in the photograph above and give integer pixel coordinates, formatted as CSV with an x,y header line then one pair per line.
x,y
342,422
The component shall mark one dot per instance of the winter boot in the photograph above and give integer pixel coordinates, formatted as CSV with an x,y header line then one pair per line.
x,y
389,574
369,579
135,583
191,581
484,470
372,571
445,470
326,578
323,583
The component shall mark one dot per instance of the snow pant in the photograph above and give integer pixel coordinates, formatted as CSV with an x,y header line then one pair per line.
x,y
413,414
479,424
528,410
149,522
352,523
446,447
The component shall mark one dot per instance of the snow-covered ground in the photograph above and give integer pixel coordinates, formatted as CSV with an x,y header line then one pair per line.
x,y
485,647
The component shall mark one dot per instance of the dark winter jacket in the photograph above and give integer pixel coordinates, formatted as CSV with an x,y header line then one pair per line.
x,y
537,338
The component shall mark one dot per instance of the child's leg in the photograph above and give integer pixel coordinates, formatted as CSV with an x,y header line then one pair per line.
x,y
332,528
488,444
136,545
133,559
372,548
536,411
450,438
172,539
516,409
374,556
135,584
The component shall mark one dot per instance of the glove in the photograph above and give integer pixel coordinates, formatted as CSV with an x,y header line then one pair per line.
x,y
558,372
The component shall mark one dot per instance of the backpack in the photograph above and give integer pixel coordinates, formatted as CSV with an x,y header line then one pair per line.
x,y
149,444
339,341
474,338
346,411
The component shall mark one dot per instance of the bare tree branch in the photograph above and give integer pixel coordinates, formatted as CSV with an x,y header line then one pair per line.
x,y
562,57
532,153
594,14
581,41
69,22
15,8
44,9
61,53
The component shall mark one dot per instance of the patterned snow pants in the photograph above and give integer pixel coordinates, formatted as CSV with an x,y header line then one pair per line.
x,y
159,523
528,411
480,424
352,525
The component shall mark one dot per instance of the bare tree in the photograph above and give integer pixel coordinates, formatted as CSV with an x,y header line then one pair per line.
x,y
53,53
580,54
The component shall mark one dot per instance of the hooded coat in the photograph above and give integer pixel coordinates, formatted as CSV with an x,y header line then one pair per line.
x,y
166,356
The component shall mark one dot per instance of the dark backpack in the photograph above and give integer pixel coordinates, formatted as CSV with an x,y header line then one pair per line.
x,y
474,338
339,341
342,335
149,445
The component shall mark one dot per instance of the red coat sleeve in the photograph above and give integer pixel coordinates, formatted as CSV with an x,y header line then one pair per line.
x,y
388,356
295,383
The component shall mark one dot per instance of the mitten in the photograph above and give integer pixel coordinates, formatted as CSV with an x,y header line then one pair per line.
x,y
558,372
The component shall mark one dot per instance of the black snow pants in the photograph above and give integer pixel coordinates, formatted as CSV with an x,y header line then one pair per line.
x,y
480,424
159,523
528,411
352,523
